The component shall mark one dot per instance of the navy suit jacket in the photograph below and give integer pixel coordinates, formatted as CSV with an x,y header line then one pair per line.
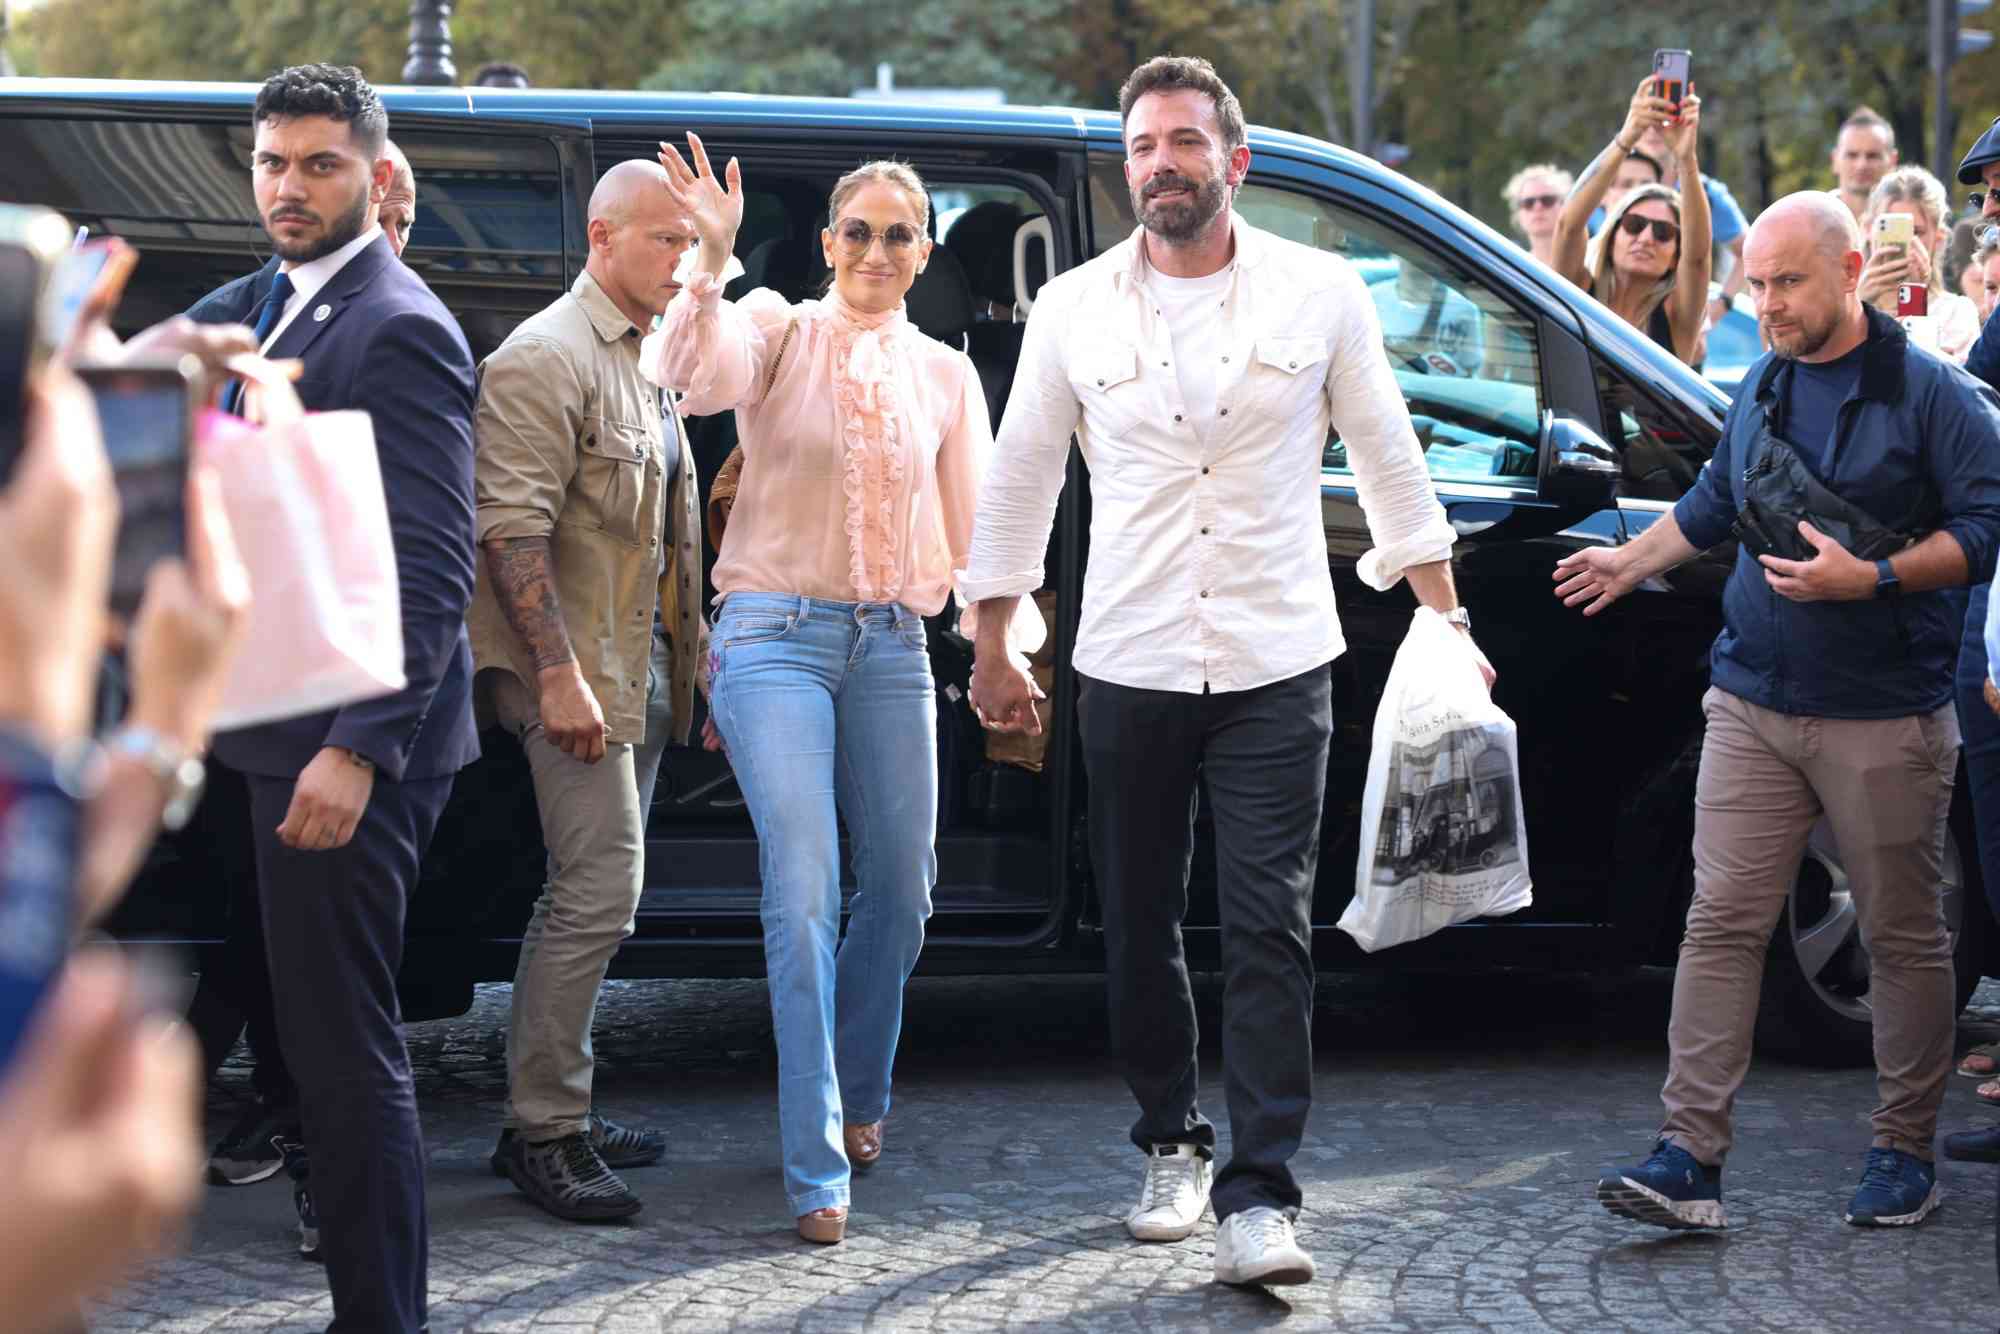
x,y
236,301
389,347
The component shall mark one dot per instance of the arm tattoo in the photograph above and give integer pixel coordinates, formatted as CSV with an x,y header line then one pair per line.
x,y
524,582
1597,165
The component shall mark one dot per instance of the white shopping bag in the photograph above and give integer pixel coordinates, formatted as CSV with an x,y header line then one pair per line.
x,y
1443,837
304,497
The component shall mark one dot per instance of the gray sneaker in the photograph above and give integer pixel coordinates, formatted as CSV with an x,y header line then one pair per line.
x,y
1257,1246
619,1146
567,1178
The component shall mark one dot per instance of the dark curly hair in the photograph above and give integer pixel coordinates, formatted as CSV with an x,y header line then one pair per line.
x,y
337,92
1166,74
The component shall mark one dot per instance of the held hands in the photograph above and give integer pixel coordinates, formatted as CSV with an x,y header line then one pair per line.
x,y
327,802
1594,578
715,208
571,718
1834,575
1004,694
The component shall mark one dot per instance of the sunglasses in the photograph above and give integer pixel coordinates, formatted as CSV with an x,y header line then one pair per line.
x,y
1663,231
1538,201
1978,199
855,237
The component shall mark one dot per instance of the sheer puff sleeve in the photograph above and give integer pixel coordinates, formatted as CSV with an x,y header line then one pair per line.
x,y
712,351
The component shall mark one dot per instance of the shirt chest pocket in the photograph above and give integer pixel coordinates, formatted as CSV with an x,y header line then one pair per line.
x,y
614,478
1287,375
1106,381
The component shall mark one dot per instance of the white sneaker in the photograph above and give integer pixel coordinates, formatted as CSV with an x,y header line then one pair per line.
x,y
1174,1196
1257,1246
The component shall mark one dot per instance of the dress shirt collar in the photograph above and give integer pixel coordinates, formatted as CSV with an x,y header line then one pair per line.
x,y
1248,251
605,317
308,278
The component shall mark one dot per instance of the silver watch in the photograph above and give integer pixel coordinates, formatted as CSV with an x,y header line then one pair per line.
x,y
1461,618
181,774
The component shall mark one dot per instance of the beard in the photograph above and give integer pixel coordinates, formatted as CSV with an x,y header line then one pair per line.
x,y
1182,220
1806,339
336,234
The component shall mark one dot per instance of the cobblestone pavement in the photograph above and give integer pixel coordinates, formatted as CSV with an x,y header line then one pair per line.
x,y
1459,1127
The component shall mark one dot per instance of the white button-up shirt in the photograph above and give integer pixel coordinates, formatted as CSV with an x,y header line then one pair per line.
x,y
308,278
1208,561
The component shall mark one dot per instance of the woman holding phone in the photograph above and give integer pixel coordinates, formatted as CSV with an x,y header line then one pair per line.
x,y
864,442
1651,261
1903,228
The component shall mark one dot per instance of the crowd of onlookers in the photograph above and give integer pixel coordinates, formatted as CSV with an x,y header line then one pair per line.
x,y
1624,231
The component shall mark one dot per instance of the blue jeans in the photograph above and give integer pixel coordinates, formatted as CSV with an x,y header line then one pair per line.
x,y
1981,733
822,704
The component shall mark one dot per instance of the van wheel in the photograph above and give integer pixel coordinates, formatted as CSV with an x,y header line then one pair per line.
x,y
1815,1005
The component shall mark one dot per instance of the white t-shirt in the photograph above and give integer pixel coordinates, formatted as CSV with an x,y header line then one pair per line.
x,y
1192,308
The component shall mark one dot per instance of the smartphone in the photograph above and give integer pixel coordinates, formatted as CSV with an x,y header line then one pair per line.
x,y
1895,229
1673,70
1912,299
32,242
90,272
147,415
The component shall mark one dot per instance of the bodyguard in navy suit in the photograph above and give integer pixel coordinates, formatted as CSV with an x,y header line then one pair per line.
x,y
344,803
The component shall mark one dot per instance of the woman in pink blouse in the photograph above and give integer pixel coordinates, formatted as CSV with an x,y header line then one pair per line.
x,y
863,445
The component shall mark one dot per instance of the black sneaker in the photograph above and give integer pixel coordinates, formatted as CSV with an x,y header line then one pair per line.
x,y
567,1178
619,1146
253,1149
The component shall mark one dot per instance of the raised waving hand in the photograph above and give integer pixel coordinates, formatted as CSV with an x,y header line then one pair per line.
x,y
715,206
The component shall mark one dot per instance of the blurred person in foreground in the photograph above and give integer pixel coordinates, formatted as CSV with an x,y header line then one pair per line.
x,y
1651,260
1918,195
1832,698
1534,196
100,1104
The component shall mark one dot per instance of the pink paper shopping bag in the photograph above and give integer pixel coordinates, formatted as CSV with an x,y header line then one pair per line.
x,y
304,496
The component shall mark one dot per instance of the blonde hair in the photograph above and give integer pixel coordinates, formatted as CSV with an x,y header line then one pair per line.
x,y
887,172
1519,181
1914,185
1603,275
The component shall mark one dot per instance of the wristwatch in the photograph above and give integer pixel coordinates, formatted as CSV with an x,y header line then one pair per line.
x,y
1459,617
1887,583
181,774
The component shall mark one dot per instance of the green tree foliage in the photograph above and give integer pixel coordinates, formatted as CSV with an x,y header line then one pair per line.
x,y
562,43
831,47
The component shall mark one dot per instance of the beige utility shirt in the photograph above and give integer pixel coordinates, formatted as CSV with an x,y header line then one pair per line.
x,y
567,445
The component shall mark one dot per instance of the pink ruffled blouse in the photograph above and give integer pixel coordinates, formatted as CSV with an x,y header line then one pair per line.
x,y
861,464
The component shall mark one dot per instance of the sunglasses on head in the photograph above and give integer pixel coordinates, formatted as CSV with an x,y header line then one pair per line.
x,y
1538,201
855,237
1663,231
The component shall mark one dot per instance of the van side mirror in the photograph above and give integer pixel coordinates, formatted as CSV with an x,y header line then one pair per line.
x,y
1578,469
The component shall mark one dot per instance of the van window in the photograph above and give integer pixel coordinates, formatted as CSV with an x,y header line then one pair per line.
x,y
488,235
1466,359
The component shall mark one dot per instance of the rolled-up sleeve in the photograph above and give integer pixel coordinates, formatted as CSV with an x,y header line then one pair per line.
x,y
714,352
524,434
1405,520
1965,445
1707,513
1017,498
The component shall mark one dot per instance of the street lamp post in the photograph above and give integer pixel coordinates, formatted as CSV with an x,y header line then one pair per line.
x,y
430,44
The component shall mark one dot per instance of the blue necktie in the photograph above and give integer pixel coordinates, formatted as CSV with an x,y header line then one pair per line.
x,y
268,316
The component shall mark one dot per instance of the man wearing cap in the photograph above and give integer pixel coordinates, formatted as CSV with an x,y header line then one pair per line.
x,y
1981,729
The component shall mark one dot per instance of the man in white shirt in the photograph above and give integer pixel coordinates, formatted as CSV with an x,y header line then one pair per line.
x,y
1199,364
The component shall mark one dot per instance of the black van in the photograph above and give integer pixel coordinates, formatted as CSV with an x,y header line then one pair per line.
x,y
1548,425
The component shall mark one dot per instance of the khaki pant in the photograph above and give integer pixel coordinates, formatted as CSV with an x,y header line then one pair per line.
x,y
1885,787
594,823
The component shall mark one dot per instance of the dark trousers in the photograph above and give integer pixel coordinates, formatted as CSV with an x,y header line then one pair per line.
x,y
333,922
239,1004
1263,754
1979,731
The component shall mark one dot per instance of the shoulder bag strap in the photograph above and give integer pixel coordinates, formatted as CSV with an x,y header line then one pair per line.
x,y
771,376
